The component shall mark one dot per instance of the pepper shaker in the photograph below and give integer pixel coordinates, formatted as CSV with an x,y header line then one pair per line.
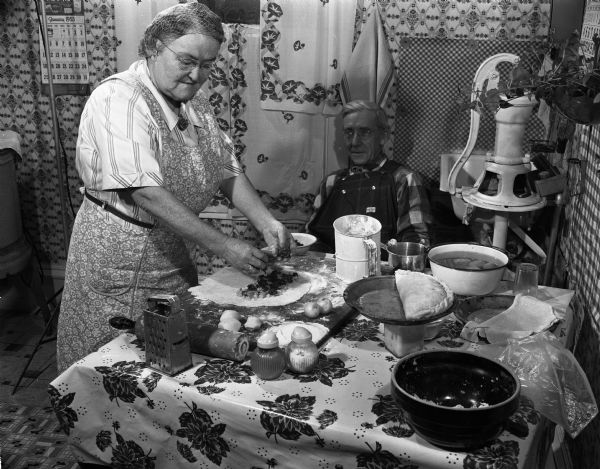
x,y
268,360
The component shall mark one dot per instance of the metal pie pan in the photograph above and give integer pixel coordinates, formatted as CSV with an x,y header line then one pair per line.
x,y
392,315
481,308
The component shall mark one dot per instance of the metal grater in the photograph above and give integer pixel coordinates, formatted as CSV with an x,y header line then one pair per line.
x,y
166,335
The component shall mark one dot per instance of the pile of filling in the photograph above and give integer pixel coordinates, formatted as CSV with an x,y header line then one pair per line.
x,y
271,283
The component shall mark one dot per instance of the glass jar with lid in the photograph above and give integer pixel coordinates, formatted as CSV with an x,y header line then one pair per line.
x,y
268,360
302,355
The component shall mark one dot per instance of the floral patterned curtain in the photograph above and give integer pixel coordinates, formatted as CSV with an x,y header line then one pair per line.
x,y
304,48
282,152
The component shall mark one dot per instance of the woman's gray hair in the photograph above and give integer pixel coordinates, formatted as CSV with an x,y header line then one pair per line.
x,y
365,105
177,21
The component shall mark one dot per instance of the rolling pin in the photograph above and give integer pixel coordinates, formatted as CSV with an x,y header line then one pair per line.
x,y
205,340
219,343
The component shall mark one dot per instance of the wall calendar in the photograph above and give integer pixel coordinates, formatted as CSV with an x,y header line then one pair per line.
x,y
66,47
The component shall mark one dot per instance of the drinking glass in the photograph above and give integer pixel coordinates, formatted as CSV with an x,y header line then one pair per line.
x,y
526,279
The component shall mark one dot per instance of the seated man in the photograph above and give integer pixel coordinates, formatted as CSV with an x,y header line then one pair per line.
x,y
372,185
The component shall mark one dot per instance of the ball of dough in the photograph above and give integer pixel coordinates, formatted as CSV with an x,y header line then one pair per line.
x,y
230,314
253,323
230,324
312,309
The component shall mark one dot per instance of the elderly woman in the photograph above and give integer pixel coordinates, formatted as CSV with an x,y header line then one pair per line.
x,y
151,157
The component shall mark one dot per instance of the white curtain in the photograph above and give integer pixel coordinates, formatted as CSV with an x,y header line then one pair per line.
x,y
131,19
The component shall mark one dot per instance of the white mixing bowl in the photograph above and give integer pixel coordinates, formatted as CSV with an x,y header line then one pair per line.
x,y
468,268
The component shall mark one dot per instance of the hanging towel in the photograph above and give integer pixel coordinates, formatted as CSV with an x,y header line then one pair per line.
x,y
370,71
11,139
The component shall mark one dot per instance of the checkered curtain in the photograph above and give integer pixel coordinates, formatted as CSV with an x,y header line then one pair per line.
x,y
579,255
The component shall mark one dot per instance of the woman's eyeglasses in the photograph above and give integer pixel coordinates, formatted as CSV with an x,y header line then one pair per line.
x,y
363,133
187,63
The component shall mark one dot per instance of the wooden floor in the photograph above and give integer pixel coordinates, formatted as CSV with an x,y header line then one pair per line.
x,y
21,327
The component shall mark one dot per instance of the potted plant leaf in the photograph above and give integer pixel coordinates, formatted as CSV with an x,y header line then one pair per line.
x,y
569,83
565,80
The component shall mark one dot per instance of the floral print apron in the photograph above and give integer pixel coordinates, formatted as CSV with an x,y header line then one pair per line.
x,y
114,266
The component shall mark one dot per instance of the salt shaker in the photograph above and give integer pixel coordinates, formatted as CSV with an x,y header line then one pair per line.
x,y
301,353
268,360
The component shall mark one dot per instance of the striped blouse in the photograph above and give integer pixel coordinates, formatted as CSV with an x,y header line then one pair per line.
x,y
107,158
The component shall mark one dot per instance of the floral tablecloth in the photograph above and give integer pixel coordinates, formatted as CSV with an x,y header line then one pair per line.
x,y
218,414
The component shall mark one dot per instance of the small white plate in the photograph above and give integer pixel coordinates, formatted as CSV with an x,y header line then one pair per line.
x,y
284,331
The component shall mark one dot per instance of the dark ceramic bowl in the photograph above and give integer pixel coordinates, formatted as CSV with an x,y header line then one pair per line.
x,y
453,399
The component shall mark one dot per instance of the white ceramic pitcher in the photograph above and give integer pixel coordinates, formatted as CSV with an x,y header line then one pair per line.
x,y
357,240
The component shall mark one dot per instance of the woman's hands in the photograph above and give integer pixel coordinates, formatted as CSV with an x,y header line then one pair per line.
x,y
236,252
243,196
278,239
166,207
243,256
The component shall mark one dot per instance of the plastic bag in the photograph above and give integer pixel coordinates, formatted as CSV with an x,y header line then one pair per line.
x,y
551,377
